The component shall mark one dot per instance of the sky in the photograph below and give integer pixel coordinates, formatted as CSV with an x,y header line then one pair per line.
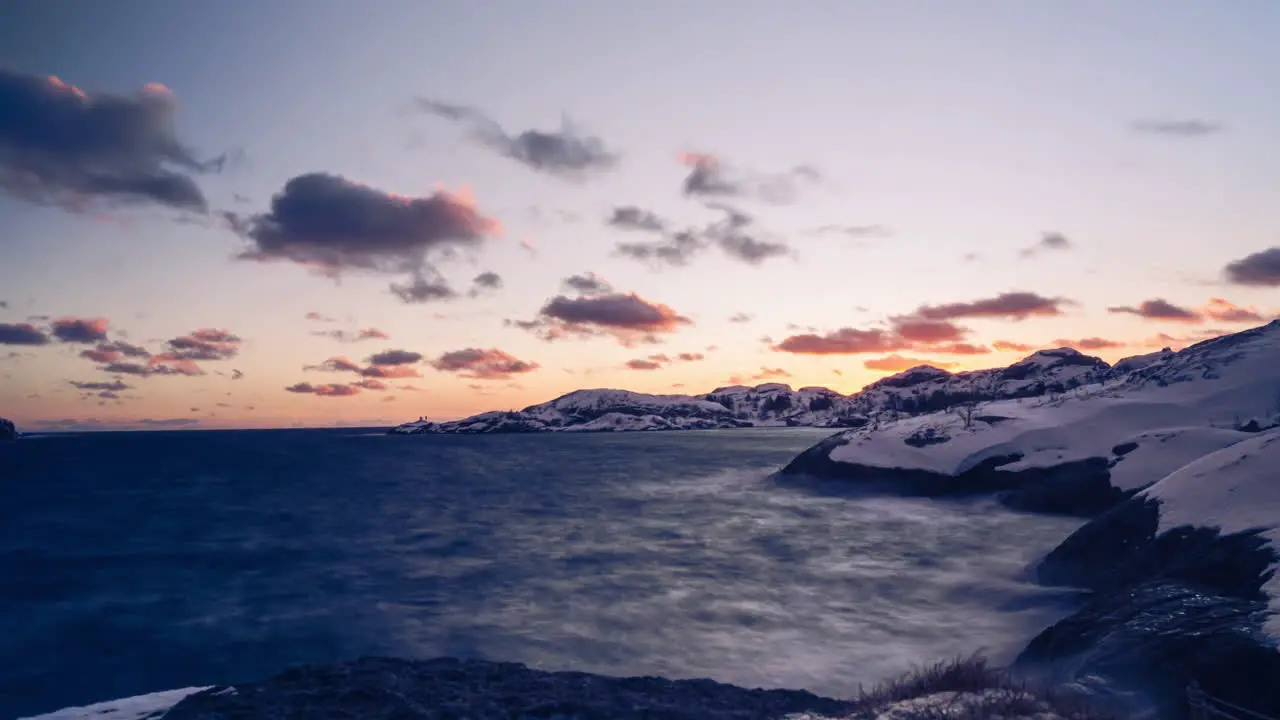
x,y
319,212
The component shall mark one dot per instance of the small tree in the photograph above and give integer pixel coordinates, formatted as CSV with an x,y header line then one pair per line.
x,y
965,411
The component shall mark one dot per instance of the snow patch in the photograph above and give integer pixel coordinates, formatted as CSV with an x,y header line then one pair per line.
x,y
152,706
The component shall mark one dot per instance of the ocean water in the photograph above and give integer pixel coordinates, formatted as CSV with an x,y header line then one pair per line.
x,y
138,562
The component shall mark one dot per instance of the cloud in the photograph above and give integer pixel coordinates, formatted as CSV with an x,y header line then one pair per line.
x,y
767,373
710,177
628,318
690,357
644,364
898,363
918,330
1089,343
856,232
735,234
566,152
630,217
588,283
168,422
80,330
1177,128
482,364
741,318
313,315
236,374
4,304
1261,269
487,280
1226,311
1010,346
370,384
329,390
395,357
1159,309
205,344
63,145
22,334
350,336
1009,305
112,386
1049,241
114,351
845,341
331,225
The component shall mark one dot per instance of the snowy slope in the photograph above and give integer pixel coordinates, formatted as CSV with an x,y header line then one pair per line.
x,y
920,389
1157,415
151,706
1234,490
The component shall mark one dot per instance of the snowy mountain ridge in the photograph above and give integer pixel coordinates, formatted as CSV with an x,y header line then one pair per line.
x,y
920,389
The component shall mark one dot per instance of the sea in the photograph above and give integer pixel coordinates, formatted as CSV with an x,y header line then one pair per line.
x,y
135,562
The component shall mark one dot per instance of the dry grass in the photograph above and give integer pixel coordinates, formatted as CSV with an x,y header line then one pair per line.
x,y
969,689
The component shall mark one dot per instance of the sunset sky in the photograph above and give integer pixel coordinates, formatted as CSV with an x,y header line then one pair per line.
x,y
320,212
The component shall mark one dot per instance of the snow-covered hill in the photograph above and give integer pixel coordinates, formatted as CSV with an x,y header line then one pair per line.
x,y
920,389
1078,451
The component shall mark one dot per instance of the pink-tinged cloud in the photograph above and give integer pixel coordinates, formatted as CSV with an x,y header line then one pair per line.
x,y
329,390
390,371
205,344
370,384
960,348
399,369
928,331
331,225
483,364
690,357
22,334
1160,310
628,318
1010,306
1010,346
643,364
1226,311
897,363
1089,343
319,317
845,341
1261,269
80,330
114,351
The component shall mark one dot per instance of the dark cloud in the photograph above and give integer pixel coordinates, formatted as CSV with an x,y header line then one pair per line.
x,y
588,283
80,330
1010,305
343,364
350,336
1048,242
487,280
710,177
112,386
736,234
63,145
330,225
628,318
1261,269
395,357
690,357
427,286
236,374
156,366
566,152
740,318
205,344
318,317
329,390
1159,309
22,334
482,364
630,217
1177,128
1089,343
4,305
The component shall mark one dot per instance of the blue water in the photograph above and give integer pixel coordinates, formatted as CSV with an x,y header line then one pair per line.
x,y
137,562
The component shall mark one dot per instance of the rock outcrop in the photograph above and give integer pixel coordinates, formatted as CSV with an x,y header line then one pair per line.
x,y
7,430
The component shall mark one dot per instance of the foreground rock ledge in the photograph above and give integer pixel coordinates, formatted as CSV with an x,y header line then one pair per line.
x,y
385,688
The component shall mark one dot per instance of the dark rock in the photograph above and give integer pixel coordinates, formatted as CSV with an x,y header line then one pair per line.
x,y
925,437
1124,448
7,430
1080,488
1165,609
374,688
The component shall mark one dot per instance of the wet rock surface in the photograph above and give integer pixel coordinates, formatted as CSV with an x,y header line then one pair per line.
x,y
374,688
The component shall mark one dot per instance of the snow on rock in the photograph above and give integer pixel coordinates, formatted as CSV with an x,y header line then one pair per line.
x,y
152,706
1183,583
1105,439
917,390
